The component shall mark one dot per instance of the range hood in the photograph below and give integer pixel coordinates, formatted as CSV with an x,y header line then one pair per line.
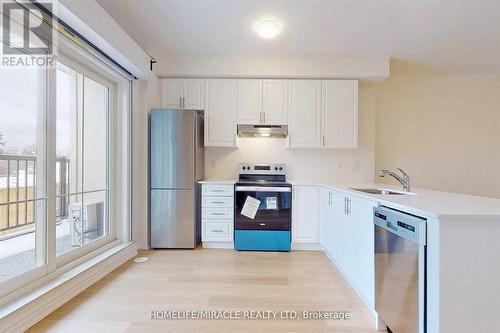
x,y
262,131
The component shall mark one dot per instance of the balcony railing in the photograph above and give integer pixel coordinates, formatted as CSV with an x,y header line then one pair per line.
x,y
18,191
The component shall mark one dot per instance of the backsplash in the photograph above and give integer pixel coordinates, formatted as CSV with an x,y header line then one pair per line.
x,y
314,165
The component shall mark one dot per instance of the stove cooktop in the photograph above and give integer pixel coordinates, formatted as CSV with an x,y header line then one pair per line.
x,y
262,183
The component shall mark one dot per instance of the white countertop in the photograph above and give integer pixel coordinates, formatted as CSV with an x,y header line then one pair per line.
x,y
426,202
224,181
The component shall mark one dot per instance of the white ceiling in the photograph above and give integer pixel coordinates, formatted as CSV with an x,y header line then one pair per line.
x,y
447,35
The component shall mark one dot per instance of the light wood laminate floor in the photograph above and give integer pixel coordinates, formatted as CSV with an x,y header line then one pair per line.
x,y
214,279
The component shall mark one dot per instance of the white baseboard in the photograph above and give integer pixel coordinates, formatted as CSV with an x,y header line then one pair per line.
x,y
306,247
218,245
72,283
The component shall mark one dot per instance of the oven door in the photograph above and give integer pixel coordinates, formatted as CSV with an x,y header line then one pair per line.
x,y
273,212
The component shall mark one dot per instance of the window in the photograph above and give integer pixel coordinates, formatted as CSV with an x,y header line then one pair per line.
x,y
22,172
64,166
82,166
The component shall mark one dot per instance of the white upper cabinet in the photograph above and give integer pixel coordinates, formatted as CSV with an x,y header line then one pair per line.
x,y
194,94
172,91
305,214
220,112
304,113
250,102
319,113
262,102
275,94
340,113
183,94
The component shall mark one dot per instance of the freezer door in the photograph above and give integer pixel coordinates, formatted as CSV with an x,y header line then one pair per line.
x,y
172,149
173,220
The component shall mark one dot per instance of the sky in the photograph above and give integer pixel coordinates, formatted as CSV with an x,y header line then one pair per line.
x,y
21,95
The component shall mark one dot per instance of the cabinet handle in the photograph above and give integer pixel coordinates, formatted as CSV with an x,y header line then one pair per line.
x,y
218,230
183,102
345,205
323,138
329,198
218,214
264,116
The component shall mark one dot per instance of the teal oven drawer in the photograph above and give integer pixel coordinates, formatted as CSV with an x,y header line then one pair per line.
x,y
262,240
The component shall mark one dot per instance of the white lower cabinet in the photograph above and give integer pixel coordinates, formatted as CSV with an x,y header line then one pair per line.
x,y
346,234
305,214
326,220
217,206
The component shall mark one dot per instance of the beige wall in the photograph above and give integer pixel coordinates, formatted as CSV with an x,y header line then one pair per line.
x,y
315,165
146,96
444,129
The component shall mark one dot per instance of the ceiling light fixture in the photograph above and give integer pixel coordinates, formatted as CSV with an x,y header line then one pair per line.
x,y
268,29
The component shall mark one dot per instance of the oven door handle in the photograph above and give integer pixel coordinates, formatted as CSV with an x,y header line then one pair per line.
x,y
262,189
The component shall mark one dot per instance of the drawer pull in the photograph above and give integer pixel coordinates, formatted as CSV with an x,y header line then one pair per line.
x,y
215,213
262,224
218,202
215,190
218,230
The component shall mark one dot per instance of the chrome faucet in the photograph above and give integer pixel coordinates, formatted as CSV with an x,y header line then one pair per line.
x,y
404,180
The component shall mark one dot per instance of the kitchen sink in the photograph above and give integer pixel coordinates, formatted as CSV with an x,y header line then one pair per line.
x,y
381,191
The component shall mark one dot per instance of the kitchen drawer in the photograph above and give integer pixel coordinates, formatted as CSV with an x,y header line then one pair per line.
x,y
217,213
218,190
216,202
219,231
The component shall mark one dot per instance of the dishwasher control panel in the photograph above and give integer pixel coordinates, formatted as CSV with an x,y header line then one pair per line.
x,y
408,226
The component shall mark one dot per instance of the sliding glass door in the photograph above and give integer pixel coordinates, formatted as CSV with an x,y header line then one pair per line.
x,y
82,166
23,190
63,129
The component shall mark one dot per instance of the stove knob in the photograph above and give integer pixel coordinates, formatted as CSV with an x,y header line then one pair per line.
x,y
276,168
243,168
281,168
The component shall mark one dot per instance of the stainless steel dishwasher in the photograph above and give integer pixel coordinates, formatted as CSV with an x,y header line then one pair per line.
x,y
400,267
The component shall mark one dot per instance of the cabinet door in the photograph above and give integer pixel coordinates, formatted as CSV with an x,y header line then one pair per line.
x,y
220,113
194,94
340,113
172,91
305,214
304,113
275,102
324,212
339,243
250,102
361,231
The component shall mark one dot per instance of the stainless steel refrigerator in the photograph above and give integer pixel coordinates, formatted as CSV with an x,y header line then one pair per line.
x,y
176,166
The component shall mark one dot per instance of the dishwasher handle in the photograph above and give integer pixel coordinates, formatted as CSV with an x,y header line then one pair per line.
x,y
392,226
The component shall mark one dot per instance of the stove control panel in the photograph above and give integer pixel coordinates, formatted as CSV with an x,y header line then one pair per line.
x,y
261,169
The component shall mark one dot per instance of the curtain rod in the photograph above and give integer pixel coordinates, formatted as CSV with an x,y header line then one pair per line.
x,y
77,34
